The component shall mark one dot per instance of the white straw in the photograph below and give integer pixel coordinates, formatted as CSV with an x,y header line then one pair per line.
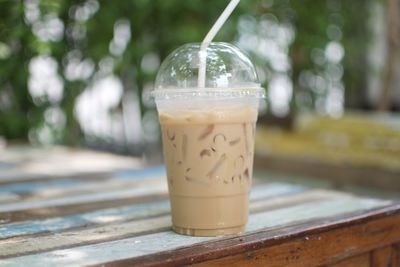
x,y
209,37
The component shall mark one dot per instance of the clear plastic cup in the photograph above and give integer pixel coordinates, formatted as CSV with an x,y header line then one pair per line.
x,y
208,137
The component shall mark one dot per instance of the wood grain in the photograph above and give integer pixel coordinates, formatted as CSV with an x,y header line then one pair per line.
x,y
9,198
93,196
382,257
321,248
23,246
396,255
121,218
362,260
267,223
116,199
18,177
289,195
92,233
87,219
303,244
52,212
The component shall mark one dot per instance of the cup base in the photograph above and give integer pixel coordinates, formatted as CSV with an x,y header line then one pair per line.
x,y
208,232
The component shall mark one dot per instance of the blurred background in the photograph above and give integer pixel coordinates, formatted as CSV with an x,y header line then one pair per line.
x,y
80,73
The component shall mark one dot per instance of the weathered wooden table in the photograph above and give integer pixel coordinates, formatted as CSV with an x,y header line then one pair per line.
x,y
121,218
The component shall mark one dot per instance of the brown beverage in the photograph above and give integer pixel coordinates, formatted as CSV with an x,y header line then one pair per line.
x,y
209,160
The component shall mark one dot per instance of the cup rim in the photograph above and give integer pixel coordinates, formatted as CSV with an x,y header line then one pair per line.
x,y
255,91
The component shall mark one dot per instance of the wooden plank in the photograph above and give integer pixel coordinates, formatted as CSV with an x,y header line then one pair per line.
x,y
52,212
57,182
22,246
382,257
11,178
260,191
327,209
29,187
149,209
275,189
154,187
362,260
275,247
332,245
87,235
272,223
147,172
102,216
48,195
38,163
396,255
9,197
102,252
85,188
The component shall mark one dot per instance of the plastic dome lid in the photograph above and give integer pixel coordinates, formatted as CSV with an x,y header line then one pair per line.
x,y
229,73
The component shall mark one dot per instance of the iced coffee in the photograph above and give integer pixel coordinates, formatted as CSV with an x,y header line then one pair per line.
x,y
209,160
208,137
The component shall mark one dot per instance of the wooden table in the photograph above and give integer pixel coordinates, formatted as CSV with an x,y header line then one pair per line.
x,y
122,219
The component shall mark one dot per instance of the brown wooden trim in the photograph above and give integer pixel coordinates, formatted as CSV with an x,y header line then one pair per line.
x,y
382,257
362,260
288,246
396,255
322,248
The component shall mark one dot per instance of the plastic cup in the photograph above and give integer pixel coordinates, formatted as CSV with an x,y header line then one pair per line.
x,y
208,137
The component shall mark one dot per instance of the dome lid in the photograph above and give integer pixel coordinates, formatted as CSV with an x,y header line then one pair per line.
x,y
228,72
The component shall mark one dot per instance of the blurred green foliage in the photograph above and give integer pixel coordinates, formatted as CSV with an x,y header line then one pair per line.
x,y
158,27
